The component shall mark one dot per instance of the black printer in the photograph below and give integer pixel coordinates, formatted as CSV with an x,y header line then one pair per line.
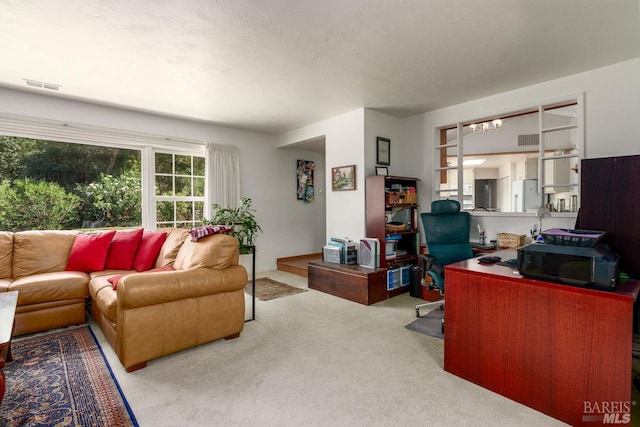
x,y
568,257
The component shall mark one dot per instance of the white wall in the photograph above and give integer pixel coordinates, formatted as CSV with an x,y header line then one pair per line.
x,y
268,175
351,138
344,145
612,108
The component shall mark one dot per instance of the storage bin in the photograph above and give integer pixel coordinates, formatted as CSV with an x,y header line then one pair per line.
x,y
393,227
393,197
509,240
410,198
564,237
393,279
405,275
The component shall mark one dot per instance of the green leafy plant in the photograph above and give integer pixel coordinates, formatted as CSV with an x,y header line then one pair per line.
x,y
29,204
243,220
112,201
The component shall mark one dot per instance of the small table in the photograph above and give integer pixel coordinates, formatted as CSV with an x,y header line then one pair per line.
x,y
8,303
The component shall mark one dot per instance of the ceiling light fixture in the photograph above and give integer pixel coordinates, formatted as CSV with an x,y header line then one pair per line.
x,y
485,126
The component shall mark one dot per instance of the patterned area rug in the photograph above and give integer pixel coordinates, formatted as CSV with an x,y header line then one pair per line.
x,y
62,379
267,289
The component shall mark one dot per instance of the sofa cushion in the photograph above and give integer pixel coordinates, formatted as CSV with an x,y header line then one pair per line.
x,y
149,249
4,284
104,297
6,254
115,279
36,252
89,251
123,249
47,287
172,244
215,251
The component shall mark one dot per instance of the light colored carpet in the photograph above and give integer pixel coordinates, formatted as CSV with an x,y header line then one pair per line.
x,y
313,359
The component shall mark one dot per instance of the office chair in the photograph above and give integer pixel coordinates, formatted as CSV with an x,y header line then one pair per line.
x,y
446,232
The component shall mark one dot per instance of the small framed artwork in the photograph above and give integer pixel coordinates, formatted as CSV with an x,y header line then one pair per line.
x,y
343,178
304,180
383,151
382,170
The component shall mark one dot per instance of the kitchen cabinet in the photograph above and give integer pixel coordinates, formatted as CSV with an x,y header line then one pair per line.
x,y
527,169
556,175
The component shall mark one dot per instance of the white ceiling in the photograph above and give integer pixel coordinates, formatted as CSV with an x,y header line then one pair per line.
x,y
276,65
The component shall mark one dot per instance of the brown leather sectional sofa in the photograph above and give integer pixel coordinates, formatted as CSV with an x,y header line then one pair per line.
x,y
150,314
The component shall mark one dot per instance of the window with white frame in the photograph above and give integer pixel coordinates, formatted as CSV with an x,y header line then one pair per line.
x,y
179,189
514,162
62,185
181,170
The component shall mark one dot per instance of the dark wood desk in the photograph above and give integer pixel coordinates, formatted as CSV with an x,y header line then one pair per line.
x,y
549,346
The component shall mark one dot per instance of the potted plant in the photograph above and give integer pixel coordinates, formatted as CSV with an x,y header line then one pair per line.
x,y
242,219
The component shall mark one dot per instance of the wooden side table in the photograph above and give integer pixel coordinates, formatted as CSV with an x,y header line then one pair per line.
x,y
8,303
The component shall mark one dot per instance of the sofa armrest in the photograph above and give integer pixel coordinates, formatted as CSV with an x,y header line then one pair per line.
x,y
140,290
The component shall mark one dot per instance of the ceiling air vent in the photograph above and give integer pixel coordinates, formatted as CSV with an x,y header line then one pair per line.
x,y
42,85
525,140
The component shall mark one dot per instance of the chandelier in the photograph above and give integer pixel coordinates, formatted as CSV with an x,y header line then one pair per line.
x,y
485,126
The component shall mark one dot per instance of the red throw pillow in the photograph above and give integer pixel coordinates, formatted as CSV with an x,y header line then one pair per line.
x,y
89,251
123,249
149,249
115,279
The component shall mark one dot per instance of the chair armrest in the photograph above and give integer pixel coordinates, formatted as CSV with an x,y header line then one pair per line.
x,y
140,290
431,264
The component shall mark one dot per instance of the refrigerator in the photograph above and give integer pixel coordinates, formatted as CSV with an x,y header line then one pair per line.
x,y
486,194
525,196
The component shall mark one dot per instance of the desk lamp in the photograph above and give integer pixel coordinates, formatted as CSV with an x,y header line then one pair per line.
x,y
542,212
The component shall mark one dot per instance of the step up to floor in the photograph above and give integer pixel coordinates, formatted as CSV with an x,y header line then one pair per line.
x,y
297,264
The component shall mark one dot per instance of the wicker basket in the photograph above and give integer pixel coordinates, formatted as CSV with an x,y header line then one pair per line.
x,y
393,197
410,198
508,240
393,227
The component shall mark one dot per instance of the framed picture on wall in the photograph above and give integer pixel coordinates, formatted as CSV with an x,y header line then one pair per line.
x,y
343,178
383,151
382,170
304,181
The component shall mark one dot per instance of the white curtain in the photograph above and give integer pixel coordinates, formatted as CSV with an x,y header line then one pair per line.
x,y
222,164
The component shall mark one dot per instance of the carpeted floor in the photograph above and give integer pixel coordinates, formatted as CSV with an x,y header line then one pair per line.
x,y
316,360
429,324
268,289
62,379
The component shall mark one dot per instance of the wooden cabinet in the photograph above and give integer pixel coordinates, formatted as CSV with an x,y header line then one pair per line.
x,y
556,175
549,346
527,169
398,247
358,284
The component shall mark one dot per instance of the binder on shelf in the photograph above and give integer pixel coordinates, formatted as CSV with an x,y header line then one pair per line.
x,y
332,254
369,253
340,250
